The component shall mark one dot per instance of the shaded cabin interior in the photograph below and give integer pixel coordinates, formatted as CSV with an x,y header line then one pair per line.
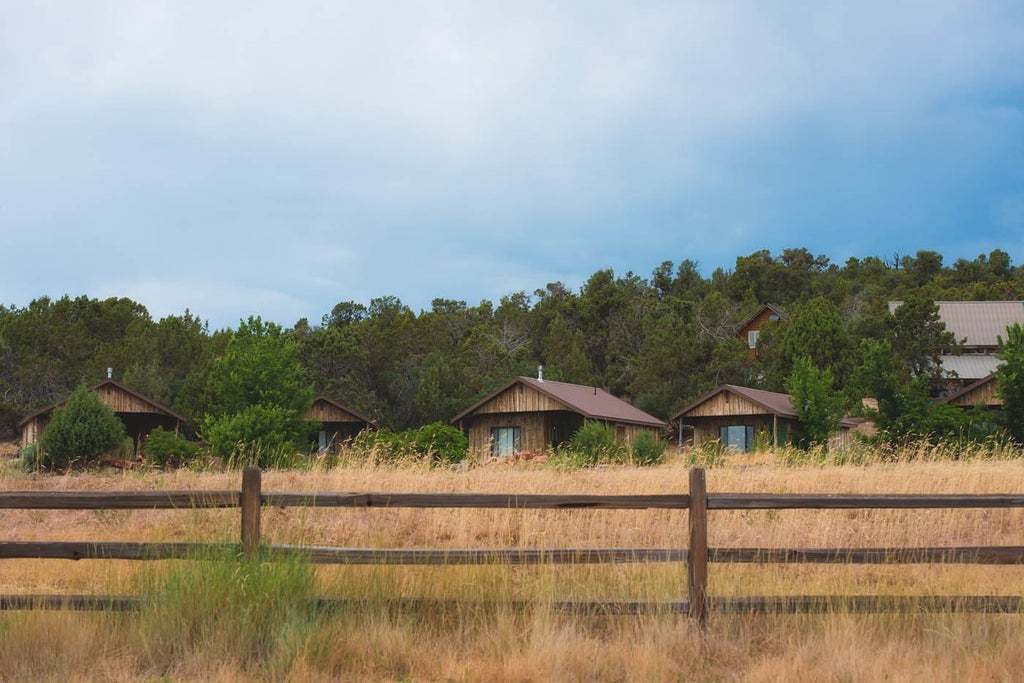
x,y
533,416
338,424
139,414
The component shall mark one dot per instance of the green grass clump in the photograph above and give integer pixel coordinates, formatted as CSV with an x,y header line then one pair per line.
x,y
251,613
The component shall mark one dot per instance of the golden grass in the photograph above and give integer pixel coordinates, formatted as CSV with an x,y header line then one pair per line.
x,y
468,641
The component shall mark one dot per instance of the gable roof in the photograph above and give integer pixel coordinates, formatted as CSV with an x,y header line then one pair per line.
x,y
590,402
341,406
979,322
968,389
159,407
772,402
767,308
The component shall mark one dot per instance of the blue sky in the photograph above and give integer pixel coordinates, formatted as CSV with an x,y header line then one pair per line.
x,y
239,158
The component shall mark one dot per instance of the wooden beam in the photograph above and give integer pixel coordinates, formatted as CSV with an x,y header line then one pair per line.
x,y
697,567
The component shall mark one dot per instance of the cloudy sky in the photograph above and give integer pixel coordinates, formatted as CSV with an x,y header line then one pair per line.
x,y
275,158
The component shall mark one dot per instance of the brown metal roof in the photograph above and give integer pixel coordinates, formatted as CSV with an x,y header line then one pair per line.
x,y
145,399
590,402
773,402
979,322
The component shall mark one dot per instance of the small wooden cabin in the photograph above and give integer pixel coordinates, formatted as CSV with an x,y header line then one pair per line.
x,y
338,423
139,414
533,415
739,417
750,329
736,416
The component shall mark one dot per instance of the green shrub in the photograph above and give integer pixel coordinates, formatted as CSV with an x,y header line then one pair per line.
x,y
164,448
265,436
647,449
440,442
382,444
79,433
29,456
595,442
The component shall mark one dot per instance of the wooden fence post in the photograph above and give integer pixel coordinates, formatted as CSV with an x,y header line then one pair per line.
x,y
697,567
251,483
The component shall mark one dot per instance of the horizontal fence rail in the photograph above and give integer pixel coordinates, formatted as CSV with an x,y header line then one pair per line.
x,y
697,556
797,501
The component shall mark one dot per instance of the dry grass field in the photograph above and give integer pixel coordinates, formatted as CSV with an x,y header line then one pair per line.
x,y
224,620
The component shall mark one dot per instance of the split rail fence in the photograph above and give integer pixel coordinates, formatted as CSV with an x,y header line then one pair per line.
x,y
697,555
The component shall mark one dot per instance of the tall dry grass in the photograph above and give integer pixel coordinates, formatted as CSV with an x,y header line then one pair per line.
x,y
216,618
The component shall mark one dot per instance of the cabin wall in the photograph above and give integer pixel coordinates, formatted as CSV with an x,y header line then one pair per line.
x,y
121,401
532,431
708,429
519,398
325,412
538,432
983,395
724,404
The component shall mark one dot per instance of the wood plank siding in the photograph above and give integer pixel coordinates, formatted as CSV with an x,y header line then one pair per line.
x,y
140,415
520,398
121,401
337,422
532,416
982,392
727,404
323,411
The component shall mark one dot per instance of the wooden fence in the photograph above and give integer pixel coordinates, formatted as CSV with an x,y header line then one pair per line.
x,y
697,555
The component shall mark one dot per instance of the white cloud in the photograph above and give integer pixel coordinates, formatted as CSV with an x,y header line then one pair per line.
x,y
319,151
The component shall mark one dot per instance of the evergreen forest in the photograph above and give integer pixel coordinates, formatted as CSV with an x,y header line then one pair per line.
x,y
661,340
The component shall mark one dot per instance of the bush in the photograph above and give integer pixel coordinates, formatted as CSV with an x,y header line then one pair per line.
x,y
381,444
168,449
29,456
437,441
595,442
79,433
440,442
265,436
647,449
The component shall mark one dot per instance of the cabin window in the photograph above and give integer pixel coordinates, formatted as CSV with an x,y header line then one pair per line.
x,y
505,441
752,338
737,437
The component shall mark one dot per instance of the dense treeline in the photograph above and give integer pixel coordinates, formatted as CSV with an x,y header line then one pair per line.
x,y
661,340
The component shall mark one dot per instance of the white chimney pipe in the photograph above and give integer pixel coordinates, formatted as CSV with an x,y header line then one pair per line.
x,y
540,373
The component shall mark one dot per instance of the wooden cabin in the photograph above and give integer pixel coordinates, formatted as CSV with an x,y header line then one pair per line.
x,y
530,415
750,329
977,327
338,423
979,393
139,414
740,417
